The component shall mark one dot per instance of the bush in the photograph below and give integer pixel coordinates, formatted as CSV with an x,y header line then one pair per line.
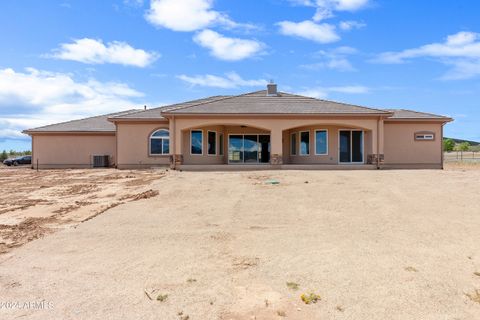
x,y
3,155
448,145
464,146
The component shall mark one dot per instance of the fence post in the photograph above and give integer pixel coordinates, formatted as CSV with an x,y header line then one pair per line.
x,y
37,164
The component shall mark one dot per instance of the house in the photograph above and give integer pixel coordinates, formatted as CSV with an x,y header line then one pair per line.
x,y
262,129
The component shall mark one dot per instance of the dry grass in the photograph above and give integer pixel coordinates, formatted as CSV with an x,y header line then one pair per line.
x,y
475,296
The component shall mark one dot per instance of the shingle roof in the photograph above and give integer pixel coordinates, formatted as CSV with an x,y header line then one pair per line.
x,y
251,103
284,103
92,124
410,114
155,113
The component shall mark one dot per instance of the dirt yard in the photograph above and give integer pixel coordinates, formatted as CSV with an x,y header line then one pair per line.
x,y
355,244
33,203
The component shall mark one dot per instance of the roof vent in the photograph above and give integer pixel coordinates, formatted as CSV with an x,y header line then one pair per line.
x,y
272,89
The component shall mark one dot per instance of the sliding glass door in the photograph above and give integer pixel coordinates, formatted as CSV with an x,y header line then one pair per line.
x,y
248,148
350,146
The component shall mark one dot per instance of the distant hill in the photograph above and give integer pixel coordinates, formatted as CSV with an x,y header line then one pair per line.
x,y
472,143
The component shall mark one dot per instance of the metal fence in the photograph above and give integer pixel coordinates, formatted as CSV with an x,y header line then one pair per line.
x,y
462,156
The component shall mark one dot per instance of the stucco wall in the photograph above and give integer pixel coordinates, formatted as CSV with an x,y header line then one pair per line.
x,y
401,148
133,145
70,151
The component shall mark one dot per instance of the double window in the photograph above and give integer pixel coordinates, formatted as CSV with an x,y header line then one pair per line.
x,y
160,142
424,136
321,142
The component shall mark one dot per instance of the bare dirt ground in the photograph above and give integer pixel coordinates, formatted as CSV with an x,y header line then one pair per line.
x,y
33,203
371,244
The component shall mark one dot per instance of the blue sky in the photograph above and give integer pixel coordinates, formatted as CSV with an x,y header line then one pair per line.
x,y
67,59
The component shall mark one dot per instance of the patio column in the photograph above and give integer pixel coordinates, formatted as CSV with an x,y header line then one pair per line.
x,y
276,146
176,157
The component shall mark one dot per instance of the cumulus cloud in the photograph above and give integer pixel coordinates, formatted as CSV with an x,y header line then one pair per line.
x,y
321,33
226,48
324,92
189,15
461,51
230,80
34,98
92,51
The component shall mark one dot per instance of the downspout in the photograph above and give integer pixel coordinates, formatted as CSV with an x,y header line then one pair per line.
x,y
173,143
378,143
441,144
116,145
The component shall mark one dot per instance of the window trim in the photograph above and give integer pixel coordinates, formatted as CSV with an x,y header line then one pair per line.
x,y
150,137
296,143
424,133
196,154
300,144
208,153
221,144
315,142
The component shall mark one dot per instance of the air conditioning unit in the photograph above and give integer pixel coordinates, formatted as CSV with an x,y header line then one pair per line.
x,y
101,161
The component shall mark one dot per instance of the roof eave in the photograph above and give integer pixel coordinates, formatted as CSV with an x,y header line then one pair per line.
x,y
363,114
443,119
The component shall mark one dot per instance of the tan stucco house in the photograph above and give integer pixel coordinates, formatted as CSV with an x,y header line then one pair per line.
x,y
262,129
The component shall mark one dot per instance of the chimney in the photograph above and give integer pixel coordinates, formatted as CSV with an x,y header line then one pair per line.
x,y
272,89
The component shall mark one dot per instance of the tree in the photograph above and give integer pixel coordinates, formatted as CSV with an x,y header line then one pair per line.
x,y
3,155
464,146
448,145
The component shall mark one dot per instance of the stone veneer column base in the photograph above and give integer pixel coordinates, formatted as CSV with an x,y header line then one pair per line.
x,y
175,160
276,159
373,158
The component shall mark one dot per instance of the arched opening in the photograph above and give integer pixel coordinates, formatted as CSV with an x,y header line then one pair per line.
x,y
159,142
326,143
225,144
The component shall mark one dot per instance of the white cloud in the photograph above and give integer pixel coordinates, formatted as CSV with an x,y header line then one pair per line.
x,y
225,48
323,92
93,51
349,25
322,33
189,15
326,8
34,98
231,80
335,59
460,50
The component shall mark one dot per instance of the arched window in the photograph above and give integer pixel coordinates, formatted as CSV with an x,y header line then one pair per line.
x,y
160,142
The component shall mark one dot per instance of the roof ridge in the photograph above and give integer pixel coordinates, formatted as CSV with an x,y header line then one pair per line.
x,y
87,118
220,97
211,101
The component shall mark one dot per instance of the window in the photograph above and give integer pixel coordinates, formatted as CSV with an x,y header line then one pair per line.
x,y
293,144
424,136
212,143
220,144
160,142
304,143
321,142
196,142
